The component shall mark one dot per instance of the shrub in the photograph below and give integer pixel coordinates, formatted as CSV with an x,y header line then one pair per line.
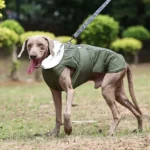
x,y
25,35
7,37
137,32
130,45
101,31
11,31
13,25
2,5
65,39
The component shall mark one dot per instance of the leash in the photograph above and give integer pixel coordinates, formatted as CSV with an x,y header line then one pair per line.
x,y
78,32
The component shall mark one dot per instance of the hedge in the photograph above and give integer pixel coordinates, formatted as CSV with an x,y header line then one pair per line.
x,y
64,39
137,32
7,37
13,25
25,35
101,31
130,45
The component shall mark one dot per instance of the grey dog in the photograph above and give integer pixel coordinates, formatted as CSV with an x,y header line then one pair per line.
x,y
66,67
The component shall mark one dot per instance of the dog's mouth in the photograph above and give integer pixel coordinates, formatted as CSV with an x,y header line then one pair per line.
x,y
34,64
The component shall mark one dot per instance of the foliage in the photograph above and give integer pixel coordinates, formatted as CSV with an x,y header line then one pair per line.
x,y
101,31
67,15
65,39
137,32
131,12
25,35
130,45
13,25
7,37
2,5
146,1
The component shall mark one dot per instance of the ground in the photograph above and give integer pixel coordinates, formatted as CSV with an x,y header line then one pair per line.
x,y
27,112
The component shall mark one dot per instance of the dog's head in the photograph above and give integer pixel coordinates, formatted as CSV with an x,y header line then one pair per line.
x,y
38,48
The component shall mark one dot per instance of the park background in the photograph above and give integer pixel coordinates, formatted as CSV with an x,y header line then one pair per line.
x,y
27,110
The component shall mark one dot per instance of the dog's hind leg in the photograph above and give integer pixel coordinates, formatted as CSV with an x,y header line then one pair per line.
x,y
122,98
109,86
109,96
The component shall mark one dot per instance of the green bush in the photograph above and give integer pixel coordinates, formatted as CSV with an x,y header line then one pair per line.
x,y
64,39
13,25
2,5
137,32
25,35
7,37
130,45
146,1
101,31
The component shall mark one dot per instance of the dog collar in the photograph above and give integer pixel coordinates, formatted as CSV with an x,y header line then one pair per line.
x,y
52,61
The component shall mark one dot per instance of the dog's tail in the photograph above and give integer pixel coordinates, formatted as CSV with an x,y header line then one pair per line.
x,y
131,88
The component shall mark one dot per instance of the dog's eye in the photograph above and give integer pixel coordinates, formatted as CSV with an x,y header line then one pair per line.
x,y
29,46
40,44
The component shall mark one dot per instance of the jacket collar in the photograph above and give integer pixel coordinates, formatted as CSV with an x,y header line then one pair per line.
x,y
52,61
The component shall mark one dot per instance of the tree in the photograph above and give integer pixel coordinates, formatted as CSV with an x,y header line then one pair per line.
x,y
2,5
101,31
64,39
25,35
139,33
8,38
127,45
64,16
18,29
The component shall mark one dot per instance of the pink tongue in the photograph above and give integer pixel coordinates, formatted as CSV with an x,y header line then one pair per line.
x,y
31,67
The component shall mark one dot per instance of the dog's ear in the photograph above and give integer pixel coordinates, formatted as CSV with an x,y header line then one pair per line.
x,y
50,44
23,47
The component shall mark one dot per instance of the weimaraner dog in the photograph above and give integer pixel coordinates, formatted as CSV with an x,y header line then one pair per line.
x,y
53,55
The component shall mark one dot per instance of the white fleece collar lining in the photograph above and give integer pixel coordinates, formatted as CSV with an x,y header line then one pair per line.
x,y
52,61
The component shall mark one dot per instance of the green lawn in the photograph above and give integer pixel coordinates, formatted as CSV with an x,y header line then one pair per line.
x,y
27,110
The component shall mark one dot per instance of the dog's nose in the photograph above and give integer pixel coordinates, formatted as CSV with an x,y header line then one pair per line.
x,y
33,56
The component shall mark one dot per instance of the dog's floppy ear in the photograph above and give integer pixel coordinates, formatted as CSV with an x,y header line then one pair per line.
x,y
23,47
50,44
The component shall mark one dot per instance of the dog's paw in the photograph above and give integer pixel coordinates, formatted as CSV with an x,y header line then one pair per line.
x,y
67,125
67,130
110,133
54,132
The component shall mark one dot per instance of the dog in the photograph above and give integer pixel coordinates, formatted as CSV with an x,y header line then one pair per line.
x,y
67,66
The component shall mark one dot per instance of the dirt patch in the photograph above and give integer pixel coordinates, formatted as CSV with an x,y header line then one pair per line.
x,y
132,142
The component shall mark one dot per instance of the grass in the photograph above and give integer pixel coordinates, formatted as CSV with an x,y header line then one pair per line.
x,y
26,110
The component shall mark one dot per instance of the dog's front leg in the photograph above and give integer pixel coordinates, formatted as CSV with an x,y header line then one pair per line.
x,y
66,84
67,112
58,107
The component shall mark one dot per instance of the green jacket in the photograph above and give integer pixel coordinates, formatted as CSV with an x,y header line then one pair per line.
x,y
85,59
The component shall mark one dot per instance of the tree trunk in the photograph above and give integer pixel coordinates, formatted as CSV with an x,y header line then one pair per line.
x,y
15,64
136,58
